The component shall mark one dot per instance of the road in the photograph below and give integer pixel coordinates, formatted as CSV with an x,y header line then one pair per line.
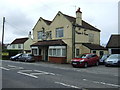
x,y
48,75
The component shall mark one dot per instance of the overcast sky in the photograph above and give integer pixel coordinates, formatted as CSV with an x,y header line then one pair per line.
x,y
22,15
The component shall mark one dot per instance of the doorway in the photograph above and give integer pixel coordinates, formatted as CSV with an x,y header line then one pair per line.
x,y
45,53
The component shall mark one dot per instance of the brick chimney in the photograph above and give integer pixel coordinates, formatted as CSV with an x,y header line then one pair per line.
x,y
78,17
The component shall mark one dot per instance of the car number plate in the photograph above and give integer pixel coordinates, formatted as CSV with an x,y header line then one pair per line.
x,y
74,63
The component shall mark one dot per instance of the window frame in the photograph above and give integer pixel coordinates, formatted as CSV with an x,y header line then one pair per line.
x,y
59,32
39,36
53,51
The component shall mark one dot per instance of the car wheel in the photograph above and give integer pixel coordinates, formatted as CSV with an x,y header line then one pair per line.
x,y
86,65
25,60
106,65
74,66
97,63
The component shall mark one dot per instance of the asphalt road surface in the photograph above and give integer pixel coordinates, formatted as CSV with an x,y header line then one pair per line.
x,y
48,75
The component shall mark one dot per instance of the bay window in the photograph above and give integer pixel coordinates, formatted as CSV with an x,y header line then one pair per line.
x,y
57,51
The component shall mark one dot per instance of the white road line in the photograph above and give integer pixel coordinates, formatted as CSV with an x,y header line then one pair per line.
x,y
27,74
67,85
109,84
44,72
4,68
36,73
12,66
25,70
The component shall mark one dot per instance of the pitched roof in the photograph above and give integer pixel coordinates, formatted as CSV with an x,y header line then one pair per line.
x,y
114,41
84,24
19,40
50,43
47,21
94,46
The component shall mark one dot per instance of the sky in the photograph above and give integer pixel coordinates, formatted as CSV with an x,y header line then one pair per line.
x,y
22,15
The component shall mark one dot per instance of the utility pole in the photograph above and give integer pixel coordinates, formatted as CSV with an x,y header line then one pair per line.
x,y
3,33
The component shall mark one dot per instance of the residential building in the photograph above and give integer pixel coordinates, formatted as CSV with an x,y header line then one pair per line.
x,y
64,38
21,44
113,44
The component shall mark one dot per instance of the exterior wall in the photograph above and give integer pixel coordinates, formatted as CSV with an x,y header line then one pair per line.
x,y
15,47
57,59
27,44
61,21
38,27
82,38
82,49
38,58
98,52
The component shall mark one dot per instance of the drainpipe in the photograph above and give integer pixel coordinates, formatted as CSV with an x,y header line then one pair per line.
x,y
23,47
73,41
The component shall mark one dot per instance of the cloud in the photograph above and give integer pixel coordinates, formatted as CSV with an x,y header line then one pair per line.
x,y
21,17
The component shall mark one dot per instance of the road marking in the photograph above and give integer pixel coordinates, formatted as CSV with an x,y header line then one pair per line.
x,y
4,68
12,66
25,70
44,72
15,67
109,84
67,85
27,74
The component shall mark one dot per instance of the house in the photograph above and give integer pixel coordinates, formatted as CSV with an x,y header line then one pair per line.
x,y
113,44
21,44
64,38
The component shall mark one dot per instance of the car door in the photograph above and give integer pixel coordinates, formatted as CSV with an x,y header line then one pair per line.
x,y
89,59
94,59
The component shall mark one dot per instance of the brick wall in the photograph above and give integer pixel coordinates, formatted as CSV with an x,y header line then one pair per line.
x,y
57,59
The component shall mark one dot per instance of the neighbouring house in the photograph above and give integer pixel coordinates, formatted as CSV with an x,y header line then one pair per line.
x,y
64,38
21,44
113,44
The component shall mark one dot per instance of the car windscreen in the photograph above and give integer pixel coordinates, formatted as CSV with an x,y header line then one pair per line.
x,y
114,56
104,56
83,56
18,55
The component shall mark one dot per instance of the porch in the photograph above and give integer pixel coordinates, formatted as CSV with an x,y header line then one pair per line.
x,y
50,50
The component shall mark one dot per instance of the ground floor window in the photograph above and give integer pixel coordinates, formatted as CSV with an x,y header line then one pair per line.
x,y
34,51
101,53
57,51
77,52
94,52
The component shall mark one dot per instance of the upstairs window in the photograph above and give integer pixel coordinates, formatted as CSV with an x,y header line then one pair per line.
x,y
40,34
91,37
59,32
19,45
13,46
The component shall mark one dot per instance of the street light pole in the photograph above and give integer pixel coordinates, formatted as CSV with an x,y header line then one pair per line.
x,y
3,33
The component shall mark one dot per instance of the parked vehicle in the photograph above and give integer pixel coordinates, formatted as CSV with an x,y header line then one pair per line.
x,y
103,58
113,60
85,60
14,58
27,58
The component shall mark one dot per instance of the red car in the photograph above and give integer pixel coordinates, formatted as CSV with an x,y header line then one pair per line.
x,y
85,60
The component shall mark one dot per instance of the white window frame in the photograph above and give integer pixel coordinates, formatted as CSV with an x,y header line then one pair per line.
x,y
37,50
19,46
39,36
58,32
57,47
